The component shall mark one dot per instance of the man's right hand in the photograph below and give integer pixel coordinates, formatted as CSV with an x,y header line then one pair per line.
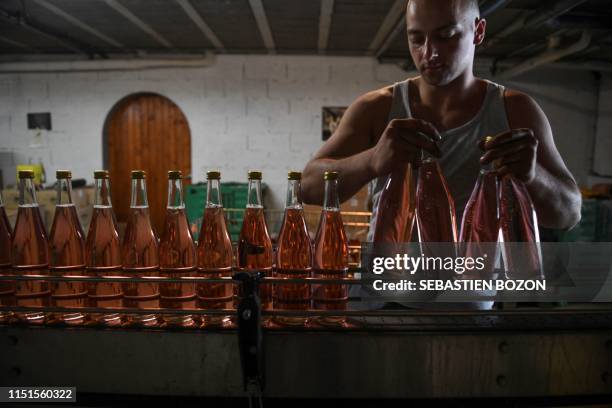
x,y
402,142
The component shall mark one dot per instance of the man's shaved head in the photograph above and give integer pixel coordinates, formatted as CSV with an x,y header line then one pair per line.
x,y
442,36
470,7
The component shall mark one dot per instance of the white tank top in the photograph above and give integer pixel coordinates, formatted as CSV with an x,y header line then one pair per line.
x,y
460,162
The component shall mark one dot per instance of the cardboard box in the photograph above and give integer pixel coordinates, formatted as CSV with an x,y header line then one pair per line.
x,y
47,199
361,201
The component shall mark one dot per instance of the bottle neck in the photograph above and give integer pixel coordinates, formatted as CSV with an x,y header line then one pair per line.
x,y
487,168
331,201
139,194
102,196
254,194
175,194
213,194
294,195
27,193
426,157
64,192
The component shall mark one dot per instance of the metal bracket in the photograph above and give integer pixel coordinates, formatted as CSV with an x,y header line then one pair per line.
x,y
250,335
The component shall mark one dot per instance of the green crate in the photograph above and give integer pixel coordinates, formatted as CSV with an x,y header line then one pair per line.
x,y
586,230
195,198
234,196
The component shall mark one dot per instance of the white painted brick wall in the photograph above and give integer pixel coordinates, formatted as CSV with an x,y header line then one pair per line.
x,y
244,112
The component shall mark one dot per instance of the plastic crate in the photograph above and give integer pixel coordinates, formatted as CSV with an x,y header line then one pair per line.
x,y
586,230
603,231
234,196
195,198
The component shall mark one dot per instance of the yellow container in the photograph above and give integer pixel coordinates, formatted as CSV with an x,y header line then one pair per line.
x,y
36,168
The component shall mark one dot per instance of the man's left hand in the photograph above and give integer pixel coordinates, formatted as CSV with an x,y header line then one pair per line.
x,y
513,152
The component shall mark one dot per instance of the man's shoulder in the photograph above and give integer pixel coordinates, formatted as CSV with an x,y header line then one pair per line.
x,y
518,98
374,103
523,110
377,97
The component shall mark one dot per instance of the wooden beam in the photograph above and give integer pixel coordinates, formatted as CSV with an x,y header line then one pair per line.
x,y
325,18
198,21
388,26
17,44
121,9
75,21
401,25
262,23
23,22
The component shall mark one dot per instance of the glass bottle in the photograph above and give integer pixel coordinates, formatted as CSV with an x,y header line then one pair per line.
x,y
294,255
140,255
103,254
7,288
67,253
396,207
330,255
521,250
215,255
480,222
30,252
177,256
435,207
254,244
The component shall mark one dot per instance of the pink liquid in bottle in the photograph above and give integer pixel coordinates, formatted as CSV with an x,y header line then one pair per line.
x,y
103,255
140,255
177,256
254,244
7,288
30,253
331,256
294,257
215,255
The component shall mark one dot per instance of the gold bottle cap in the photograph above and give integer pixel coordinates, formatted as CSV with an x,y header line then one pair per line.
x,y
63,174
175,175
254,175
26,174
497,163
330,175
101,174
138,174
213,175
294,175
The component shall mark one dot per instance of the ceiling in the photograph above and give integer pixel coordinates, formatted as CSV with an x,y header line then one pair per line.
x,y
576,32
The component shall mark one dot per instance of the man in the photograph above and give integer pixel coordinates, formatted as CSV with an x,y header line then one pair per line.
x,y
447,111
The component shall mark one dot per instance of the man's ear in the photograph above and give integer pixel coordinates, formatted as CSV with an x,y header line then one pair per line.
x,y
479,30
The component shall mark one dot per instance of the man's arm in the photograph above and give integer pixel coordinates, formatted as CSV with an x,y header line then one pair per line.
x,y
534,159
348,151
364,147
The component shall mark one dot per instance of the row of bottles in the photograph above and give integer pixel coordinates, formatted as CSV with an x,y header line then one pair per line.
x,y
296,258
28,251
425,211
499,210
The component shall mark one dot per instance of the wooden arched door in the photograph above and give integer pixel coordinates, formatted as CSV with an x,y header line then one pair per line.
x,y
145,131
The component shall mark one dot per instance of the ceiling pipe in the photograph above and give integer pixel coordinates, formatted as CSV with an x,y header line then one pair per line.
x,y
598,66
22,22
104,65
483,64
546,57
492,6
540,16
580,23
